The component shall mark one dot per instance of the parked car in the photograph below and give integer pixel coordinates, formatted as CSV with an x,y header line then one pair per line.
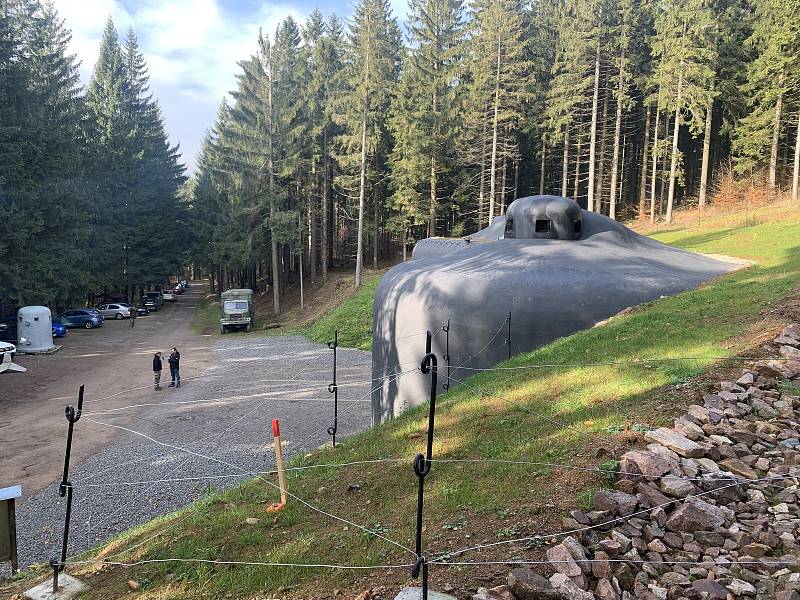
x,y
116,311
153,300
59,329
7,352
82,317
141,311
169,297
8,330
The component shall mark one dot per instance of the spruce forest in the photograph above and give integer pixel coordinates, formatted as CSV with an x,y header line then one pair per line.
x,y
89,185
345,140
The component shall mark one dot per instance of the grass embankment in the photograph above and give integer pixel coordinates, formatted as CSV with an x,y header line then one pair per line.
x,y
576,415
353,319
329,305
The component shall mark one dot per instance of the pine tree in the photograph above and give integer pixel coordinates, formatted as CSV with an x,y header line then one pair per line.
x,y
43,233
436,31
685,52
372,67
774,71
501,78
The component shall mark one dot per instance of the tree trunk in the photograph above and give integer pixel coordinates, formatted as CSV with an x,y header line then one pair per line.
x,y
612,196
663,187
481,195
273,243
375,196
674,159
776,134
432,212
503,185
645,158
541,170
495,121
565,166
577,184
323,251
516,180
706,153
312,217
796,172
593,129
655,165
361,192
601,162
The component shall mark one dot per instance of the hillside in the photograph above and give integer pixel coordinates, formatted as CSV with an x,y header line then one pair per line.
x,y
600,388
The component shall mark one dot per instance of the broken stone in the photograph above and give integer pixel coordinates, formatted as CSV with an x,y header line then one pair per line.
x,y
695,515
738,587
618,503
675,442
562,561
526,584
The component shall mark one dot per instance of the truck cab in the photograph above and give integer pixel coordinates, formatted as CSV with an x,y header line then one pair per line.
x,y
238,310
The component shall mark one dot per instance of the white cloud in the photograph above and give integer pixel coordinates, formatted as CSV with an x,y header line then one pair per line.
x,y
187,43
191,48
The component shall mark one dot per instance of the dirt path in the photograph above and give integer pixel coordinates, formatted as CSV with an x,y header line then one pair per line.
x,y
108,360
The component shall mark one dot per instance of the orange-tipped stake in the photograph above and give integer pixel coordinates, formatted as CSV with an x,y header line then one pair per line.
x,y
276,432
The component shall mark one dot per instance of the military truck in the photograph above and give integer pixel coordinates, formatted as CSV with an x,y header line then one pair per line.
x,y
238,310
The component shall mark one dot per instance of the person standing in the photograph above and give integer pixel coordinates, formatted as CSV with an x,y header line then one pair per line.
x,y
175,368
157,371
134,313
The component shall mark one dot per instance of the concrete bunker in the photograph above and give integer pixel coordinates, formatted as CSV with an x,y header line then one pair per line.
x,y
556,268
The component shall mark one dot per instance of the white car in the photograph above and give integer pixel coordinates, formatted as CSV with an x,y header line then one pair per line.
x,y
114,311
7,352
169,297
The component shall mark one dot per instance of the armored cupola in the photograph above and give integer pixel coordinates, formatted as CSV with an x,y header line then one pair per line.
x,y
544,217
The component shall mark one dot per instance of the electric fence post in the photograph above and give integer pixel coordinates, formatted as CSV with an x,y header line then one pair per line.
x,y
334,389
508,333
422,465
446,357
65,487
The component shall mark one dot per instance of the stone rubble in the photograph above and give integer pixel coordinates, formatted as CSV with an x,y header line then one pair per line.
x,y
685,521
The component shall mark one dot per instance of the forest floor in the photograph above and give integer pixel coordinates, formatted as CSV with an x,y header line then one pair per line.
x,y
318,317
601,388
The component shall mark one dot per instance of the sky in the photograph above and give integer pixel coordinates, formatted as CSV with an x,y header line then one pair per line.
x,y
191,48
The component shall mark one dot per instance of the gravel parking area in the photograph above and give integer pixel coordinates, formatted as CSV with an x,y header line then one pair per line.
x,y
224,414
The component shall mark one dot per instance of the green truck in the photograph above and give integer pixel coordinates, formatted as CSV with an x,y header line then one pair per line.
x,y
238,310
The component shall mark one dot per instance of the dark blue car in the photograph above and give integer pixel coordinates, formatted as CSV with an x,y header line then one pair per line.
x,y
81,317
59,329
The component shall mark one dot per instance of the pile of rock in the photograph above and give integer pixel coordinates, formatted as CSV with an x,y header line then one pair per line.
x,y
708,510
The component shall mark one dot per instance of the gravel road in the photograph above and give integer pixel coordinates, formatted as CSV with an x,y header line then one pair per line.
x,y
224,414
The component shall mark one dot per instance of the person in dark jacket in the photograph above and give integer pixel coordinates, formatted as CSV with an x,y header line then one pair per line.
x,y
157,371
175,368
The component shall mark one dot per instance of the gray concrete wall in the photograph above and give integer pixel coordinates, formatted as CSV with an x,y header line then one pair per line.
x,y
552,287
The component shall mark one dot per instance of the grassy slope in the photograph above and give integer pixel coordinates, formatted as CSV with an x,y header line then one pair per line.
x,y
353,319
516,415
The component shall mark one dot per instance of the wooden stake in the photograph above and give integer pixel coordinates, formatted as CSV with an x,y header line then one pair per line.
x,y
276,432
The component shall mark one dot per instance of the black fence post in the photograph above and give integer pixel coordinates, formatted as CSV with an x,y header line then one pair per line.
x,y
65,487
508,333
446,357
334,389
422,465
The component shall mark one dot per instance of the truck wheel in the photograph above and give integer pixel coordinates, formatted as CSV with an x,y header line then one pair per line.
x,y
222,329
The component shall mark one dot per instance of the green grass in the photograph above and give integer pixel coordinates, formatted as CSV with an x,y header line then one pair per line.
x,y
554,415
206,317
353,319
